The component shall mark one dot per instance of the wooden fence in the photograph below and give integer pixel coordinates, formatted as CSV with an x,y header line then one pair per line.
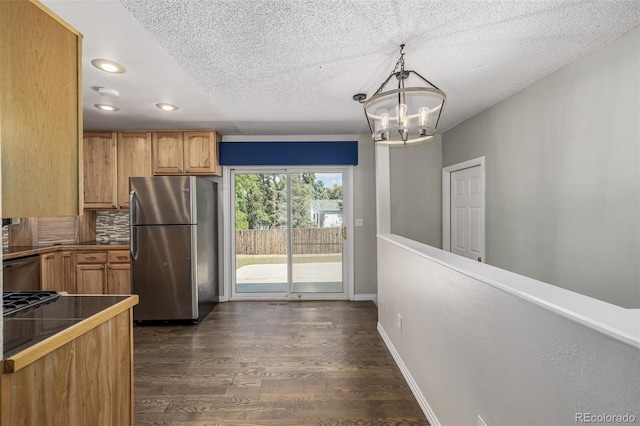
x,y
274,241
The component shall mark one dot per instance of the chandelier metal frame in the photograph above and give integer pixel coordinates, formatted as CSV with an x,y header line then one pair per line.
x,y
416,110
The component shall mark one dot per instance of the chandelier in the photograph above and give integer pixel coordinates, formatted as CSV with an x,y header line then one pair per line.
x,y
405,114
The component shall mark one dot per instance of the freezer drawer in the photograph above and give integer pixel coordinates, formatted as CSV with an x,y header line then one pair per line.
x,y
163,272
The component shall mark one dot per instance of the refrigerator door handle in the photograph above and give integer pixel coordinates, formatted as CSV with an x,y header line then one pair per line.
x,y
134,243
132,207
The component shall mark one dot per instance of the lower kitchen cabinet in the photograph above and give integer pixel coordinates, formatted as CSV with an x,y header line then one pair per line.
x,y
91,279
103,272
83,375
49,271
57,271
68,275
119,272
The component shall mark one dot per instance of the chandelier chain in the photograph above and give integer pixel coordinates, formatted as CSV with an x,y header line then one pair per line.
x,y
399,63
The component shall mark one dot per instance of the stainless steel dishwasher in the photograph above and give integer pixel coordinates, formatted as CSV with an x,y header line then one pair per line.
x,y
21,274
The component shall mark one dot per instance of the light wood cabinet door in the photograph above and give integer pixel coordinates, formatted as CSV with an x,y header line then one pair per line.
x,y
200,153
58,272
50,271
91,278
68,272
99,160
134,159
119,278
40,112
168,153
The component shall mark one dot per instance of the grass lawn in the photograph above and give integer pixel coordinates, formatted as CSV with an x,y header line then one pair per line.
x,y
247,259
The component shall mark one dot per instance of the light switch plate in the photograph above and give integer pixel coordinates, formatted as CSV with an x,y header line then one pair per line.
x,y
359,222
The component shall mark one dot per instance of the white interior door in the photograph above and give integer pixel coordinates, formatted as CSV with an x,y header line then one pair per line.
x,y
467,216
463,209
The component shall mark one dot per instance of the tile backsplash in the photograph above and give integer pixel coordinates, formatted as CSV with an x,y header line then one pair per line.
x,y
112,226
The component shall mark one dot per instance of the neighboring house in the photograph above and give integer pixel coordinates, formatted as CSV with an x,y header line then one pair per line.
x,y
327,213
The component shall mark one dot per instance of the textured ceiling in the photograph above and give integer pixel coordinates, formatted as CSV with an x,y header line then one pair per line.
x,y
292,66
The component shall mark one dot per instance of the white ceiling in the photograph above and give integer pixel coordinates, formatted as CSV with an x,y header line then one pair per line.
x,y
278,67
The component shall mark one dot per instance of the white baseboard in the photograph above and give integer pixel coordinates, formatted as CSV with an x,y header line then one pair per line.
x,y
363,297
428,412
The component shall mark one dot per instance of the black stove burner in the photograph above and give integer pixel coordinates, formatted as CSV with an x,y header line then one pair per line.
x,y
16,301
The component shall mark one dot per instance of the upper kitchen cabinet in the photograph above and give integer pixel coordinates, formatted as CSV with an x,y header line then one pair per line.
x,y
99,158
134,159
168,153
188,153
40,112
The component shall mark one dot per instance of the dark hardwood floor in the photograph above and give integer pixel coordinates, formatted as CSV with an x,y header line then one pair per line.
x,y
271,363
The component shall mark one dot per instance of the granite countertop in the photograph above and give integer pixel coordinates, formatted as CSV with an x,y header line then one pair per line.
x,y
14,252
26,329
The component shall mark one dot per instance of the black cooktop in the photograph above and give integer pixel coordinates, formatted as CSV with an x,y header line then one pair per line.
x,y
16,301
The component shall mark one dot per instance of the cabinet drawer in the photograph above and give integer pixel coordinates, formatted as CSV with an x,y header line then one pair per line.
x,y
119,256
91,257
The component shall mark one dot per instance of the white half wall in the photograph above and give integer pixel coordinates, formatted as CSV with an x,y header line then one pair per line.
x,y
492,343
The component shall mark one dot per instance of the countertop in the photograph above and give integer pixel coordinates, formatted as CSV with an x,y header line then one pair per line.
x,y
33,333
14,252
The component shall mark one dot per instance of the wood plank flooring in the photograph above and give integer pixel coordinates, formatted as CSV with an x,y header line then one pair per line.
x,y
271,363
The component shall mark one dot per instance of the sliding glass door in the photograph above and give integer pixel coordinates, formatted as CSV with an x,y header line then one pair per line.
x,y
290,234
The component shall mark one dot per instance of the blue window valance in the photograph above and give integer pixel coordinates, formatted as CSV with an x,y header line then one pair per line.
x,y
329,153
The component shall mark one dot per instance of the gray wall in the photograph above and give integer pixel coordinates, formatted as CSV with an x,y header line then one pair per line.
x,y
562,175
416,188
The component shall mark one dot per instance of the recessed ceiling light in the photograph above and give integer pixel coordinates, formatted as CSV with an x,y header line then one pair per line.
x,y
108,66
167,107
106,107
107,93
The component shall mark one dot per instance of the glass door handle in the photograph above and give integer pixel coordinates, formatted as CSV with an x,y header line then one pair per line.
x,y
344,232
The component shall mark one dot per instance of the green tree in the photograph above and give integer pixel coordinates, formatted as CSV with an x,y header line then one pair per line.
x,y
301,197
335,192
320,191
250,212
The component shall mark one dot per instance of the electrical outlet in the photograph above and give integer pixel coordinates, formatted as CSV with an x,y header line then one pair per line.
x,y
481,421
400,322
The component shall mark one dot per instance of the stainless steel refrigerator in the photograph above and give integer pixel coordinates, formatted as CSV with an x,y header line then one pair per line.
x,y
174,267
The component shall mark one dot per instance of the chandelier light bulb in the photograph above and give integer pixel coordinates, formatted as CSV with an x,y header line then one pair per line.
x,y
401,113
405,131
384,123
384,120
423,116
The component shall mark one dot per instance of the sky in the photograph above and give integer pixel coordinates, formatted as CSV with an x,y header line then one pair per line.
x,y
329,179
